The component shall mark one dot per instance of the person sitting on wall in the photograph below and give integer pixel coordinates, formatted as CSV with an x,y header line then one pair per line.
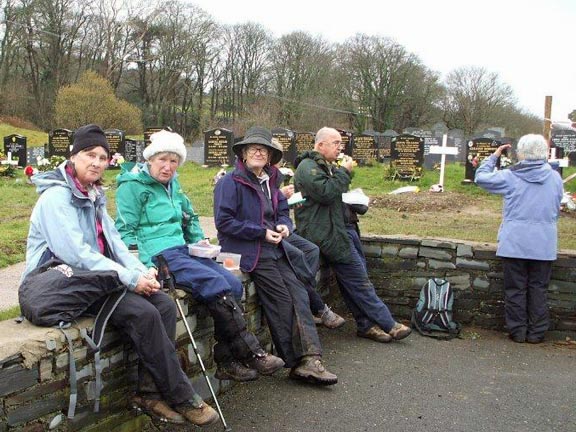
x,y
156,217
322,220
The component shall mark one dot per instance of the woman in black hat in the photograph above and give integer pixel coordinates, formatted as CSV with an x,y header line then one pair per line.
x,y
252,219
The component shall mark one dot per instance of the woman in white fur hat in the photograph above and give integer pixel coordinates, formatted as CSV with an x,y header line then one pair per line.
x,y
156,217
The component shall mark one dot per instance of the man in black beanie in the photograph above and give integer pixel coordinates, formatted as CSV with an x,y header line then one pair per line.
x,y
90,135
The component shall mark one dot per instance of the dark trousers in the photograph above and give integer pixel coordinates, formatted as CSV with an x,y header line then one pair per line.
x,y
526,288
287,309
150,323
358,291
211,284
304,256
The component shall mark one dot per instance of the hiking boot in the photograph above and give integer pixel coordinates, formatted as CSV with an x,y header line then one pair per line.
x,y
265,364
329,319
313,371
400,331
235,371
200,415
376,334
158,409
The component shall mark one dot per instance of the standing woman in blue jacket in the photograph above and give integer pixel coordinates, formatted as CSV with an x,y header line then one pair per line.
x,y
252,219
528,237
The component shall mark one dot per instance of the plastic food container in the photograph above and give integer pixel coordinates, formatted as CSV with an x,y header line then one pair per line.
x,y
230,261
203,250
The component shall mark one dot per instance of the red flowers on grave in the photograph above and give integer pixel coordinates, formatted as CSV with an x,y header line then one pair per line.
x,y
29,171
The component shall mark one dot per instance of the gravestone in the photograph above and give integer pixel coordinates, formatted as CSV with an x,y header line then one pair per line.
x,y
477,150
218,147
149,131
304,141
286,139
116,142
16,145
492,133
347,140
566,140
456,139
407,156
133,150
439,129
365,149
443,150
60,142
385,144
33,153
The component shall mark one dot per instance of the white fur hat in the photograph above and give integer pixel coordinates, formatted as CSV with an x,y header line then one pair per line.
x,y
164,141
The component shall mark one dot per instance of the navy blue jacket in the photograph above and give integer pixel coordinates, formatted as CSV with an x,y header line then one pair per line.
x,y
239,213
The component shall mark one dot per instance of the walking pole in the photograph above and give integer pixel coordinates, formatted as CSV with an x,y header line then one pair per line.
x,y
164,273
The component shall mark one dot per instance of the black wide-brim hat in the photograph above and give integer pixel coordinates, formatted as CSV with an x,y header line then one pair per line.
x,y
262,136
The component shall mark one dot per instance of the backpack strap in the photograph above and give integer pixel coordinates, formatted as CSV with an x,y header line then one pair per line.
x,y
72,367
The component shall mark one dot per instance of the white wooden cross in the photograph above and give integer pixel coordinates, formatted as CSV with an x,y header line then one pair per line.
x,y
443,150
9,160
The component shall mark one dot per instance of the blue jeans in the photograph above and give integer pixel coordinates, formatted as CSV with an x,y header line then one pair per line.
x,y
203,278
357,290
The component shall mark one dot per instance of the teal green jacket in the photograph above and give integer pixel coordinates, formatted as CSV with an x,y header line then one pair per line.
x,y
320,218
151,216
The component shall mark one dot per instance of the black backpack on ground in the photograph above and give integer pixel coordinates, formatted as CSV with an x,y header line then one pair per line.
x,y
432,315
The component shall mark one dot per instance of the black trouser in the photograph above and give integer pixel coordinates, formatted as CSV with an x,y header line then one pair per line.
x,y
150,322
304,256
234,341
287,309
526,287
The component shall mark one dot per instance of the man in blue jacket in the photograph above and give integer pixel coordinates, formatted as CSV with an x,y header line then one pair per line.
x,y
527,239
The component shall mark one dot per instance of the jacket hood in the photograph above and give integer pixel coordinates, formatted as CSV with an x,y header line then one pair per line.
x,y
45,180
532,171
309,154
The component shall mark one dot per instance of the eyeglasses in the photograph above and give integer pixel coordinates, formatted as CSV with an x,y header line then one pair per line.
x,y
261,150
337,143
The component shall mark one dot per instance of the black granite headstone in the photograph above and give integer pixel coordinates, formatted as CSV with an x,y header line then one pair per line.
x,y
133,150
59,142
16,146
407,156
149,131
116,141
304,141
218,147
565,139
33,153
477,150
385,144
430,160
365,149
347,140
456,139
286,139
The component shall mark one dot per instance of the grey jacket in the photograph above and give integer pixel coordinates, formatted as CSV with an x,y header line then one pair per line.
x,y
63,220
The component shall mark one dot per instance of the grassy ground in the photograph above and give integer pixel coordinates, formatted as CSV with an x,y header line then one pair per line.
x,y
462,212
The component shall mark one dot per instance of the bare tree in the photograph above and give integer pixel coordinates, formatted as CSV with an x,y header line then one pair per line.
x,y
474,97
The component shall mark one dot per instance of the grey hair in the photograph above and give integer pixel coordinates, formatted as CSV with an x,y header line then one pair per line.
x,y
155,155
323,133
532,147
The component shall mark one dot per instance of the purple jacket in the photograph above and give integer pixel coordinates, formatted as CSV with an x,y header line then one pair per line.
x,y
239,213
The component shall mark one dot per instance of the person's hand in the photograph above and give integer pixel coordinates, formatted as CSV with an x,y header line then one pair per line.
x,y
273,237
283,230
501,149
287,190
146,285
153,272
203,242
347,162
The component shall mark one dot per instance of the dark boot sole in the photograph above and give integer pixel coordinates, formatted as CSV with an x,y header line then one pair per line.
x,y
313,380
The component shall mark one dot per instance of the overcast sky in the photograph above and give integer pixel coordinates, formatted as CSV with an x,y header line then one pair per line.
x,y
529,43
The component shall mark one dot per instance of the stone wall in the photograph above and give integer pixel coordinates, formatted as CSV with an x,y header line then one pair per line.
x,y
400,266
34,363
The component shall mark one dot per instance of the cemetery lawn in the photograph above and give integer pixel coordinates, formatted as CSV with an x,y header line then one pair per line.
x,y
463,212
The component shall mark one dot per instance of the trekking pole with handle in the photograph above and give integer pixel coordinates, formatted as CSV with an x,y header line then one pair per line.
x,y
165,277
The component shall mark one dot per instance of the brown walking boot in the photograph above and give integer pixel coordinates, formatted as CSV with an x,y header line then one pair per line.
x,y
200,415
312,370
400,331
329,319
376,334
158,409
235,371
265,364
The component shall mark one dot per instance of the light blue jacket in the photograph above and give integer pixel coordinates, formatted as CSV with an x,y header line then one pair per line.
x,y
532,192
64,221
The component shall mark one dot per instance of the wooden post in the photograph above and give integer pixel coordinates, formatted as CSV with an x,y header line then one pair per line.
x,y
547,117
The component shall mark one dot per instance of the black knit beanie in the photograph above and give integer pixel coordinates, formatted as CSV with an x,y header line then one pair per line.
x,y
89,136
